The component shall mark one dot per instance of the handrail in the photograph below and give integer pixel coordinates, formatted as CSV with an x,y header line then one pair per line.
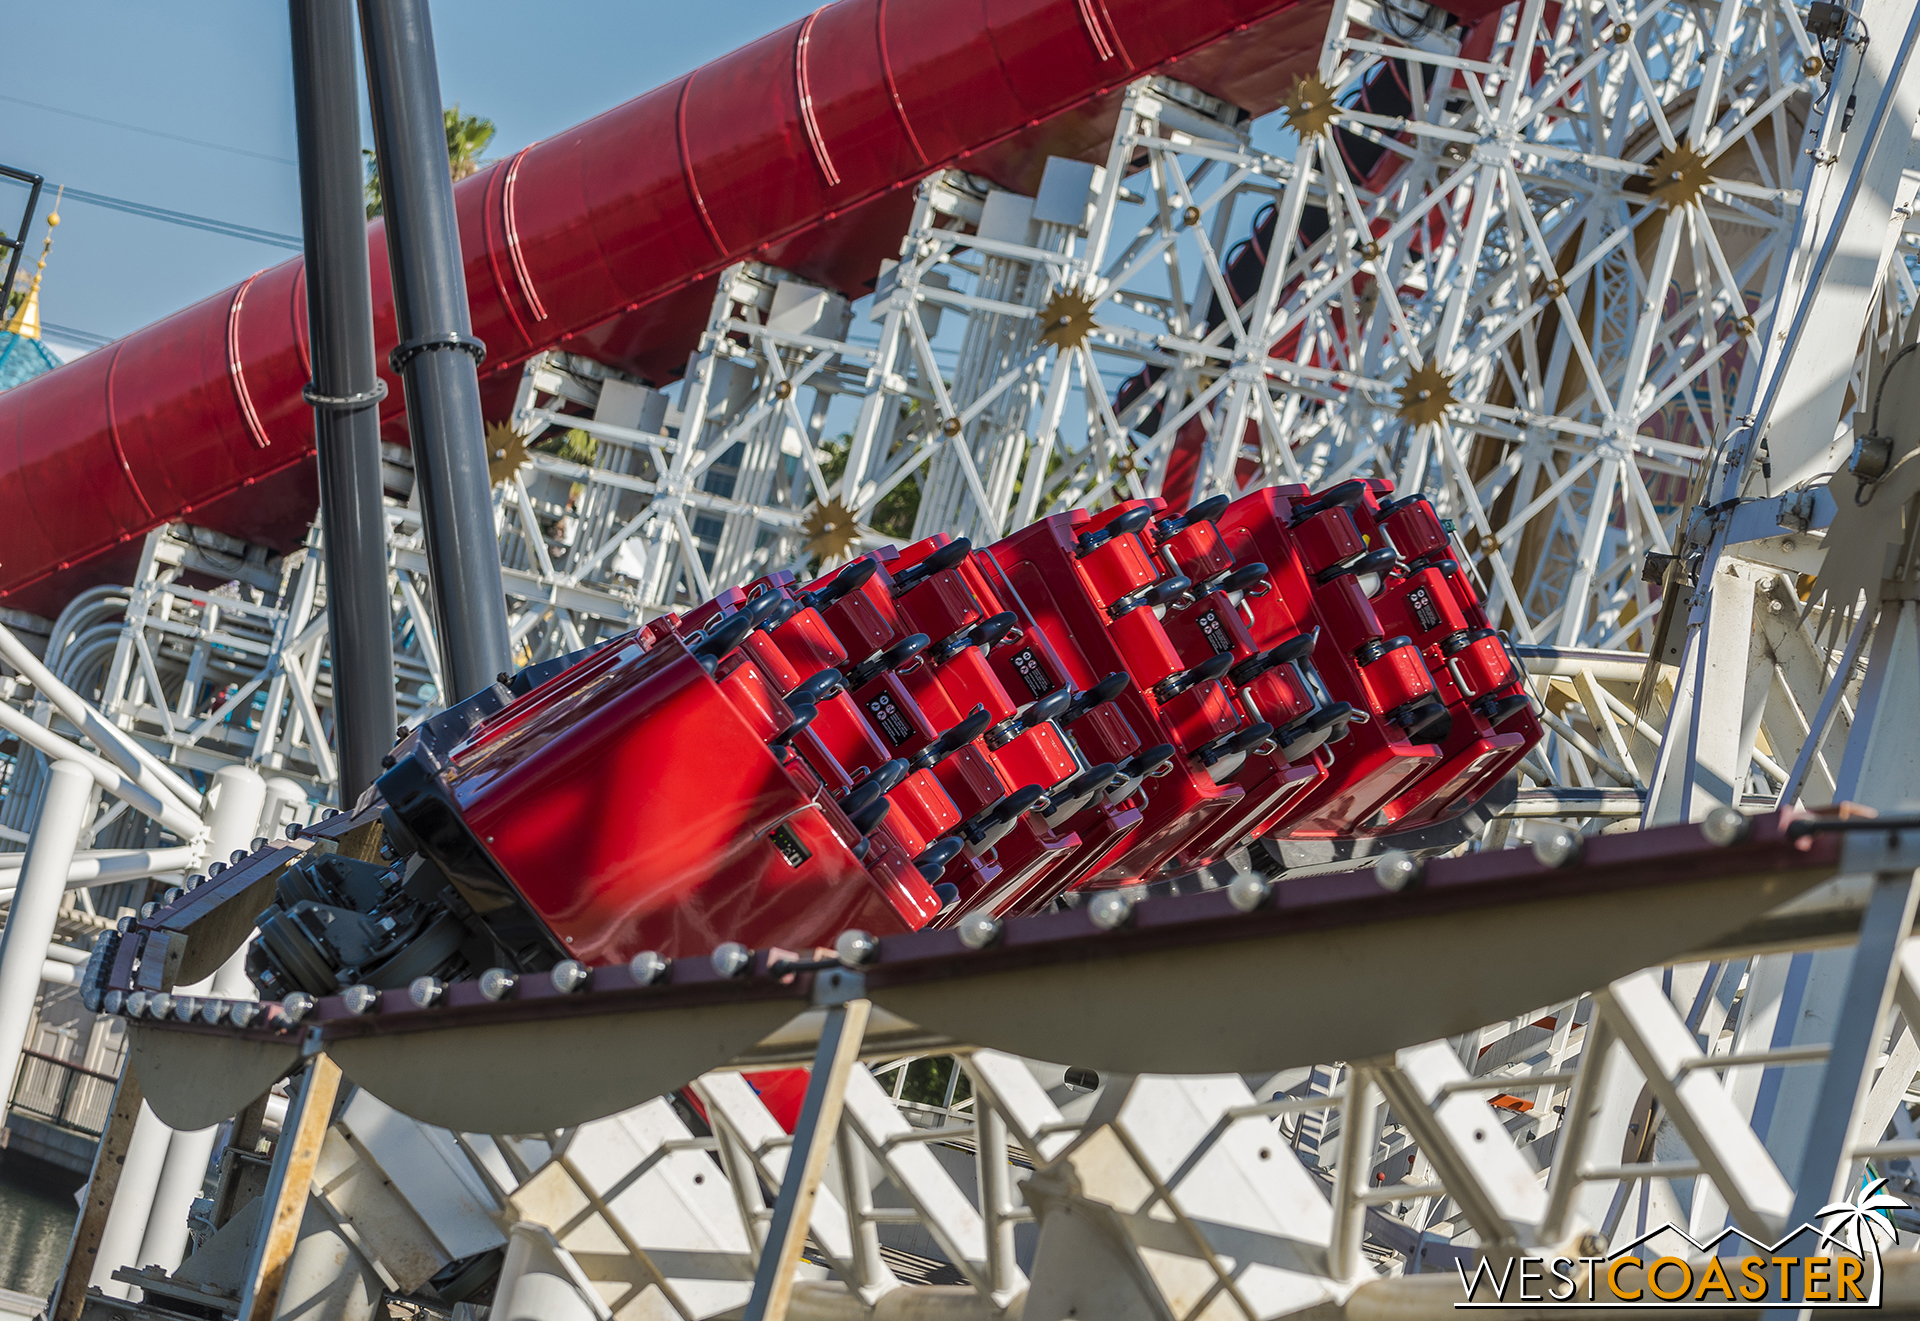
x,y
81,1069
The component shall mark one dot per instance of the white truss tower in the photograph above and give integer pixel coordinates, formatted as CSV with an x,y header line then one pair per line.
x,y
1535,303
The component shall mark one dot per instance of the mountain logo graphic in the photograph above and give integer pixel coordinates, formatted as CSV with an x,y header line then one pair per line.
x,y
1831,1261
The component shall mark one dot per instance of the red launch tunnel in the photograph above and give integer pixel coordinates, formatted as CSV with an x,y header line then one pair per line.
x,y
800,149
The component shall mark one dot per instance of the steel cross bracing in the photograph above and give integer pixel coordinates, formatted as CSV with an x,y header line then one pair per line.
x,y
1790,613
1096,280
207,677
1576,317
1552,273
663,514
1432,1188
1511,306
1784,511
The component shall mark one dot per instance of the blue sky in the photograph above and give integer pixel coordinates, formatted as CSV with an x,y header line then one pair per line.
x,y
219,71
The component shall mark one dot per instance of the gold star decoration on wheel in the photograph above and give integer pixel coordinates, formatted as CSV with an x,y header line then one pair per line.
x,y
506,451
1067,319
1680,175
1427,395
1310,106
831,530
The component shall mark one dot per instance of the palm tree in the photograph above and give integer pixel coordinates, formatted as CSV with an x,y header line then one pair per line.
x,y
1864,1220
467,137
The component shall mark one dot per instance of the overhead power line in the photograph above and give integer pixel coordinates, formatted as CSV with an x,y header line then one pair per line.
x,y
150,132
208,223
68,335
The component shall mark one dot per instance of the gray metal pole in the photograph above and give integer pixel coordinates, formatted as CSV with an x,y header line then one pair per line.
x,y
437,354
36,907
837,1055
346,387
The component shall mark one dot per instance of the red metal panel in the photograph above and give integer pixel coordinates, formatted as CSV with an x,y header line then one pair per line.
x,y
853,78
1255,67
803,89
751,169
647,826
1045,49
605,213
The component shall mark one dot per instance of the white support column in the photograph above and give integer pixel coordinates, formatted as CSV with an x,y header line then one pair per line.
x,y
1826,1156
1701,763
1878,770
1491,1182
1853,182
132,1203
539,1281
1359,1135
286,801
996,1196
836,1059
1882,760
36,907
1697,1103
237,795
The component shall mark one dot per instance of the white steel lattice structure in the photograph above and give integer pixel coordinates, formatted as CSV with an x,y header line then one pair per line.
x,y
1513,217
1579,217
1519,263
1573,218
